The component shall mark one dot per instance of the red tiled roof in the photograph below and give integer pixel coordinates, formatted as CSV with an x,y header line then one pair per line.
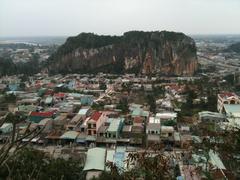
x,y
42,114
38,85
49,92
138,120
227,94
60,95
95,116
50,85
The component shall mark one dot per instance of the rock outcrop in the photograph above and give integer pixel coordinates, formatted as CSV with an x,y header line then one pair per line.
x,y
167,53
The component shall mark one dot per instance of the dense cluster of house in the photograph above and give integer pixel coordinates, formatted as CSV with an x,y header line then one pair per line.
x,y
70,118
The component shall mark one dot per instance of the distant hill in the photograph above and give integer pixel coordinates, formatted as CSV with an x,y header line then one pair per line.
x,y
162,52
38,40
234,48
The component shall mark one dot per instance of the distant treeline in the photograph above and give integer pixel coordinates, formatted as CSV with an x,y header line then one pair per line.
x,y
234,47
7,67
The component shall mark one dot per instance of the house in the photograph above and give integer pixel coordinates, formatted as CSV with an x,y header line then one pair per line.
x,y
75,123
217,166
2,87
226,98
60,121
126,131
177,139
167,131
208,116
49,100
26,108
6,128
34,101
186,141
165,117
138,115
47,123
69,136
232,112
84,112
153,126
59,96
153,130
137,135
94,122
115,128
86,100
95,163
36,117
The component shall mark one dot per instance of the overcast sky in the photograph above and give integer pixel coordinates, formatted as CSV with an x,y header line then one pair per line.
x,y
71,17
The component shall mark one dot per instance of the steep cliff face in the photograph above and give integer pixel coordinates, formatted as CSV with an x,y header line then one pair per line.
x,y
163,52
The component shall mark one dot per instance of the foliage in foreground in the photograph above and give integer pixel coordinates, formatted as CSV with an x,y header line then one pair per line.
x,y
34,164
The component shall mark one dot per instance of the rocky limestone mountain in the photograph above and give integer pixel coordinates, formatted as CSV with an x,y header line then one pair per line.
x,y
167,53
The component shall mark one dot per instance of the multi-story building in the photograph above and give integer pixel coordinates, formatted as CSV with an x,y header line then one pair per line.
x,y
226,98
94,122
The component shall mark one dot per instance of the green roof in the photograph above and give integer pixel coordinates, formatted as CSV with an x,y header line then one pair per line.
x,y
95,159
140,112
115,123
83,111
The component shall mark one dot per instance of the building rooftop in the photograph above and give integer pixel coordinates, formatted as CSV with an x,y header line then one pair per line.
x,y
83,111
96,115
166,115
140,112
215,160
227,95
95,159
5,125
42,114
110,157
154,120
43,122
211,114
114,125
70,135
232,109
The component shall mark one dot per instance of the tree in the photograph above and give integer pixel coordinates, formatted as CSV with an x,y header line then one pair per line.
x,y
29,163
15,140
151,163
123,105
102,86
152,103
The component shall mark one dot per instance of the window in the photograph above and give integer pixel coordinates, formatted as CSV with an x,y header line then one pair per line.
x,y
94,132
94,125
89,132
89,126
